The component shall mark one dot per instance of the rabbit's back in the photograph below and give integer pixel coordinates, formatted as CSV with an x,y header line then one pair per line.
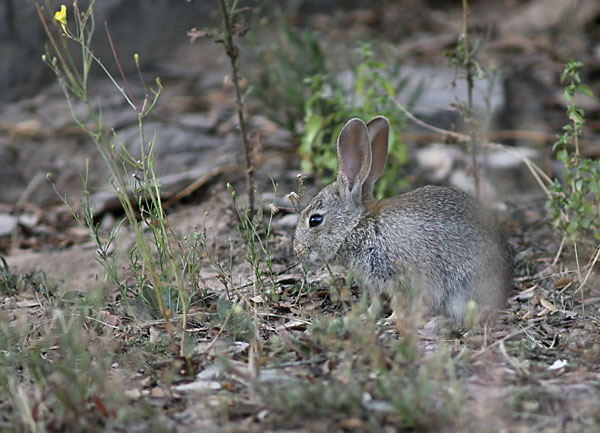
x,y
437,241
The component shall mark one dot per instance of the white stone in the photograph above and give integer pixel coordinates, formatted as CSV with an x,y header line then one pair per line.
x,y
7,224
437,160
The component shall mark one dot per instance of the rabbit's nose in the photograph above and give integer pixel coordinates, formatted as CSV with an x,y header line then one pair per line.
x,y
298,250
302,252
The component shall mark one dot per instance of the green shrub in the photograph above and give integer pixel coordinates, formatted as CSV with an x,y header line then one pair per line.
x,y
300,91
575,203
279,84
331,105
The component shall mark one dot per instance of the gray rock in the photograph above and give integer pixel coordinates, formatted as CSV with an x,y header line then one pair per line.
x,y
437,160
22,38
507,171
287,221
11,178
28,220
462,180
198,122
161,41
7,224
179,149
547,15
442,90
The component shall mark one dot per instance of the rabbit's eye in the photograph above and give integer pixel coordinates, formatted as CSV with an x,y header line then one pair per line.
x,y
315,220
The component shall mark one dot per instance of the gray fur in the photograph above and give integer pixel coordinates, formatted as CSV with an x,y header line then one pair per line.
x,y
436,243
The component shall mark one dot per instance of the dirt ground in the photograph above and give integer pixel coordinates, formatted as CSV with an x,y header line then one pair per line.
x,y
536,369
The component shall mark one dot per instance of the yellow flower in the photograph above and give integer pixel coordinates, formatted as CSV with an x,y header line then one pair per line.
x,y
61,17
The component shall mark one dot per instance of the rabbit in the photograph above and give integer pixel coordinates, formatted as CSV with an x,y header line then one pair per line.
x,y
437,243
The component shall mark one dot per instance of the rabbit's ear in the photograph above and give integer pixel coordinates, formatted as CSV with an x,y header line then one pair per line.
x,y
354,158
379,131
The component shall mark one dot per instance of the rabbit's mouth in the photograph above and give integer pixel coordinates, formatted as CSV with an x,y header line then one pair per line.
x,y
313,257
306,254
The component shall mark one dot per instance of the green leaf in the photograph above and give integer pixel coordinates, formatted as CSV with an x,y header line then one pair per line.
x,y
575,117
562,156
568,95
573,226
584,90
388,87
475,49
562,141
312,129
223,306
479,71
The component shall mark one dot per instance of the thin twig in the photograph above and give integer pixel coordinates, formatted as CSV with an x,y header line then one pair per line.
x,y
467,64
587,275
502,340
538,138
560,248
221,329
118,63
232,53
577,261
202,180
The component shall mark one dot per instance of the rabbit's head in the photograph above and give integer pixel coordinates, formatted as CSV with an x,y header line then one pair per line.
x,y
336,210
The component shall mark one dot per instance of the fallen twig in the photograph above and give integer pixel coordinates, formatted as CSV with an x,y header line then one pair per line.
x,y
502,340
201,181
